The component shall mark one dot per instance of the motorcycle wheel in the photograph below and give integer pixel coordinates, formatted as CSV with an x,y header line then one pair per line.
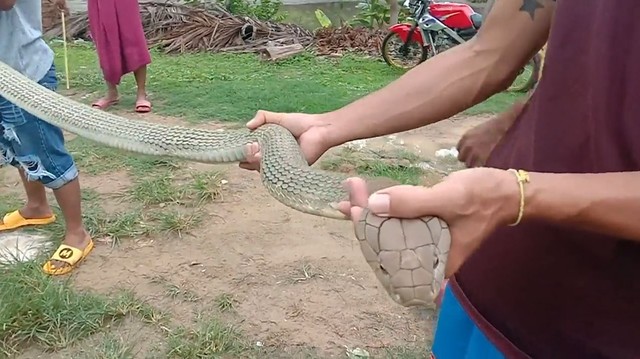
x,y
526,80
391,52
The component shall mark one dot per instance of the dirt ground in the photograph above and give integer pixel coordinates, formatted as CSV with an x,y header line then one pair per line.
x,y
298,281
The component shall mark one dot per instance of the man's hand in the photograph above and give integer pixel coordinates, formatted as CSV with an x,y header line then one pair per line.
x,y
309,130
476,144
474,202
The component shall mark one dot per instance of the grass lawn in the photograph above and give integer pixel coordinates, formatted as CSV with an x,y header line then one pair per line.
x,y
163,199
232,87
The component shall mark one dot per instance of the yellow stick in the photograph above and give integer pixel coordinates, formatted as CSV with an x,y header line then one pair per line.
x,y
64,43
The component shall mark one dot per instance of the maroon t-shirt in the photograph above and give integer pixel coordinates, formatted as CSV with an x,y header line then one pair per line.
x,y
547,291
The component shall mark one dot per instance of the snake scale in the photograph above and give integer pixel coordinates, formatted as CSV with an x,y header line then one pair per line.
x,y
408,256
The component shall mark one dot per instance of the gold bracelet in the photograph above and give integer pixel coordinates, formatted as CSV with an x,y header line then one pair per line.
x,y
523,177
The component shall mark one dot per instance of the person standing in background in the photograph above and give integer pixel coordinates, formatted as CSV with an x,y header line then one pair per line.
x,y
117,32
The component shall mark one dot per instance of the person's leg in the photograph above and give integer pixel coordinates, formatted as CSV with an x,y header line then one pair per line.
x,y
95,11
36,210
37,206
38,148
141,82
142,103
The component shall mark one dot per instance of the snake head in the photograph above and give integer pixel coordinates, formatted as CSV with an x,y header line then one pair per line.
x,y
408,256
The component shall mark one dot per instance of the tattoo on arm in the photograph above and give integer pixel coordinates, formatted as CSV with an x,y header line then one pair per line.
x,y
530,7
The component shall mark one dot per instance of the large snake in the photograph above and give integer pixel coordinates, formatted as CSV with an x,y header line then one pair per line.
x,y
408,256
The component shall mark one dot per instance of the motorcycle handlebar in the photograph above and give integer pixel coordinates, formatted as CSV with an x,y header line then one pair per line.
x,y
418,2
415,5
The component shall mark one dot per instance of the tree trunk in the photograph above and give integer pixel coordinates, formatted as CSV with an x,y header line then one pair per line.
x,y
394,11
275,52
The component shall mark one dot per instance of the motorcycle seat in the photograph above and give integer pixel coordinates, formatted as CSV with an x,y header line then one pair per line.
x,y
476,20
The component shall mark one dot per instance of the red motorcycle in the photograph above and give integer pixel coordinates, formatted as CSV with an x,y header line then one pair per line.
x,y
437,27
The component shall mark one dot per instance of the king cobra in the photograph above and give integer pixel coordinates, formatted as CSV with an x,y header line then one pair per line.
x,y
408,256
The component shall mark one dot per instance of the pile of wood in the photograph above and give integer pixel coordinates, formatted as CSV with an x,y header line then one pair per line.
x,y
51,14
355,39
177,28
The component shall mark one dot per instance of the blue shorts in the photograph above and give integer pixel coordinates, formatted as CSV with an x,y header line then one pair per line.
x,y
457,336
34,145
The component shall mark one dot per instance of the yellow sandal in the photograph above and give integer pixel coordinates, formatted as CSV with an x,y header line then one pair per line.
x,y
15,220
69,255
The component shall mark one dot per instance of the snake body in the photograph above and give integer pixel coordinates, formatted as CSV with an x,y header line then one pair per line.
x,y
284,172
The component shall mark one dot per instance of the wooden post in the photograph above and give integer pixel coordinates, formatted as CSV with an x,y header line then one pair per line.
x,y
275,52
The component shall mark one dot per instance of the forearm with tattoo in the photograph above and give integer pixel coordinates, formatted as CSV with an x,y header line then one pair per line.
x,y
454,80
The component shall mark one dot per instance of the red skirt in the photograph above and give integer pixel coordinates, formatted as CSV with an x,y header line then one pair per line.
x,y
116,30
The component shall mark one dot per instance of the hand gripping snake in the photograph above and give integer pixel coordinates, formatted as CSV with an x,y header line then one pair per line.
x,y
408,256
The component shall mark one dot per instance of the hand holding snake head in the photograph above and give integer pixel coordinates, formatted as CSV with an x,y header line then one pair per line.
x,y
405,232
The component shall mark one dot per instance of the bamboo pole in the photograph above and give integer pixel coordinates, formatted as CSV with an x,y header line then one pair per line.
x,y
64,44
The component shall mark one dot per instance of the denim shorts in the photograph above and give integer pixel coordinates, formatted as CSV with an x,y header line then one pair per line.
x,y
34,145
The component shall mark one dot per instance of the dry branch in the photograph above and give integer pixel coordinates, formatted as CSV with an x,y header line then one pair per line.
x,y
180,28
177,28
51,14
346,38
